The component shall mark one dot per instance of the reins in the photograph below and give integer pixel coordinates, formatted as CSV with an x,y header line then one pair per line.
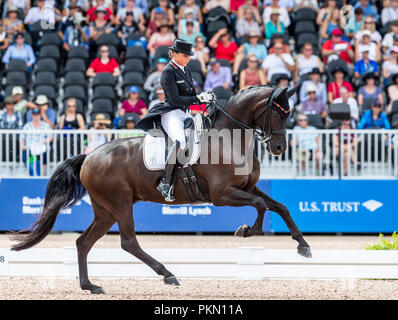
x,y
263,134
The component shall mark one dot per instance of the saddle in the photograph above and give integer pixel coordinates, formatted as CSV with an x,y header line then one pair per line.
x,y
156,148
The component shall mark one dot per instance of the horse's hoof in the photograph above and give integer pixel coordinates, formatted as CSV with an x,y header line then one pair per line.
x,y
304,251
97,290
243,231
171,281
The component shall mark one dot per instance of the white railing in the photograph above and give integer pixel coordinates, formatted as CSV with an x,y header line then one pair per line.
x,y
346,154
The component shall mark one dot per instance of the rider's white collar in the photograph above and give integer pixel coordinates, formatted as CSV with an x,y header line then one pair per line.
x,y
181,67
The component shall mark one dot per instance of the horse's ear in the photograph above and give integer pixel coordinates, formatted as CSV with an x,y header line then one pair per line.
x,y
281,93
292,91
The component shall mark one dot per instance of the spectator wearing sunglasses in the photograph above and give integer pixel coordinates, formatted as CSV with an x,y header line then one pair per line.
x,y
252,75
71,119
313,105
103,64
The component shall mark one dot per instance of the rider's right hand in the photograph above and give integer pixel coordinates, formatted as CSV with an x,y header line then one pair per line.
x,y
206,97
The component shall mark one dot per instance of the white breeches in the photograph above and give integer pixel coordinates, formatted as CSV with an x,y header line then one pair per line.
x,y
173,124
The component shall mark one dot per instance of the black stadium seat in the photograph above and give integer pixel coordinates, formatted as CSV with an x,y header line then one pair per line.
x,y
48,91
194,66
75,78
17,65
17,78
46,64
162,52
104,92
133,79
198,78
45,78
75,91
102,105
134,65
79,53
136,52
51,38
109,39
104,78
75,64
304,26
50,51
305,14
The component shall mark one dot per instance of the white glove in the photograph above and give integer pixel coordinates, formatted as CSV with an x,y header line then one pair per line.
x,y
206,97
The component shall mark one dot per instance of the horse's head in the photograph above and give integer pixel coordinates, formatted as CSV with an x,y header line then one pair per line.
x,y
271,119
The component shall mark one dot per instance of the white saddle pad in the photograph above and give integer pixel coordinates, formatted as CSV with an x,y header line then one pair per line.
x,y
154,153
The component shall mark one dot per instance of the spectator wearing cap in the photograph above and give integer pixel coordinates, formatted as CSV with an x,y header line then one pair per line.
x,y
392,92
278,62
189,34
160,17
20,103
153,80
389,12
374,118
163,37
72,30
390,39
274,25
128,27
160,97
41,13
315,79
252,47
337,47
201,53
190,5
142,4
218,76
306,62
169,13
370,91
82,4
9,117
48,115
103,63
99,26
92,13
352,102
313,105
211,4
390,66
182,23
368,9
71,119
133,103
246,24
283,13
12,24
369,24
223,47
100,122
365,65
35,145
355,24
334,87
372,47
21,51
252,75
331,23
131,10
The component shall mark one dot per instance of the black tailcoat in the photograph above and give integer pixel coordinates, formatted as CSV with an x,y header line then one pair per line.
x,y
179,91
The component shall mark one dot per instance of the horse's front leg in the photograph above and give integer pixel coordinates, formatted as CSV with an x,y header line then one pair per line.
x,y
235,197
303,247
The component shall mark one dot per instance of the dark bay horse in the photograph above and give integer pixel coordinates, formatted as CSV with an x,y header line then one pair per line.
x,y
115,178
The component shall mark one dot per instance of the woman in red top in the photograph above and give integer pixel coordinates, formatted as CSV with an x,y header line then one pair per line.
x,y
133,104
224,48
103,64
334,87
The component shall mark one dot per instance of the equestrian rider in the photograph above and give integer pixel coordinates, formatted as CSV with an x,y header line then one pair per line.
x,y
180,93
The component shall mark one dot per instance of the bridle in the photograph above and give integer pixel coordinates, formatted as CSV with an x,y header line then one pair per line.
x,y
263,134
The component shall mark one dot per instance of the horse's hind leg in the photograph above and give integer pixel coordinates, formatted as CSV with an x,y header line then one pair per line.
x,y
303,247
130,243
103,220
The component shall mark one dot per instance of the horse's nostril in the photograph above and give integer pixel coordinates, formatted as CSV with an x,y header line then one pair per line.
x,y
279,147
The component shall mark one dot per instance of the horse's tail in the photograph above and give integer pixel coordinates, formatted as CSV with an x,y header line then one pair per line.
x,y
63,190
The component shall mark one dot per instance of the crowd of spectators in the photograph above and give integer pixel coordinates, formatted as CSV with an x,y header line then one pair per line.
x,y
237,44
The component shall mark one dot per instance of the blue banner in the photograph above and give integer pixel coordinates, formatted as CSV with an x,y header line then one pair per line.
x,y
351,206
22,200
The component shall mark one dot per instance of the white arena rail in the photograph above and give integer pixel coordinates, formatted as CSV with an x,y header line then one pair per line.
x,y
241,263
373,154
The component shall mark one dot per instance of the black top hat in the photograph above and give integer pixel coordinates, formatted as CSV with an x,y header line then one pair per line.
x,y
315,70
182,46
341,69
369,75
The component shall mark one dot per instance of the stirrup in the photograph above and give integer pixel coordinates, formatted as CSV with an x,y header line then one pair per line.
x,y
166,190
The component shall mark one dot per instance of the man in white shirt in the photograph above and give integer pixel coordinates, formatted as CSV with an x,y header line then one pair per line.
x,y
283,13
390,13
278,62
354,110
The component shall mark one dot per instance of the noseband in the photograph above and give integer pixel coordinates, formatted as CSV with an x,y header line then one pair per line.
x,y
263,134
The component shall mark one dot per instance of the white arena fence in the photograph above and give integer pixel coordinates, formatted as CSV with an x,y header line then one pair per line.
x,y
345,154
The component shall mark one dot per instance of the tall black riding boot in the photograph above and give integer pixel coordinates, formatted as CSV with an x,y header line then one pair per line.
x,y
164,186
